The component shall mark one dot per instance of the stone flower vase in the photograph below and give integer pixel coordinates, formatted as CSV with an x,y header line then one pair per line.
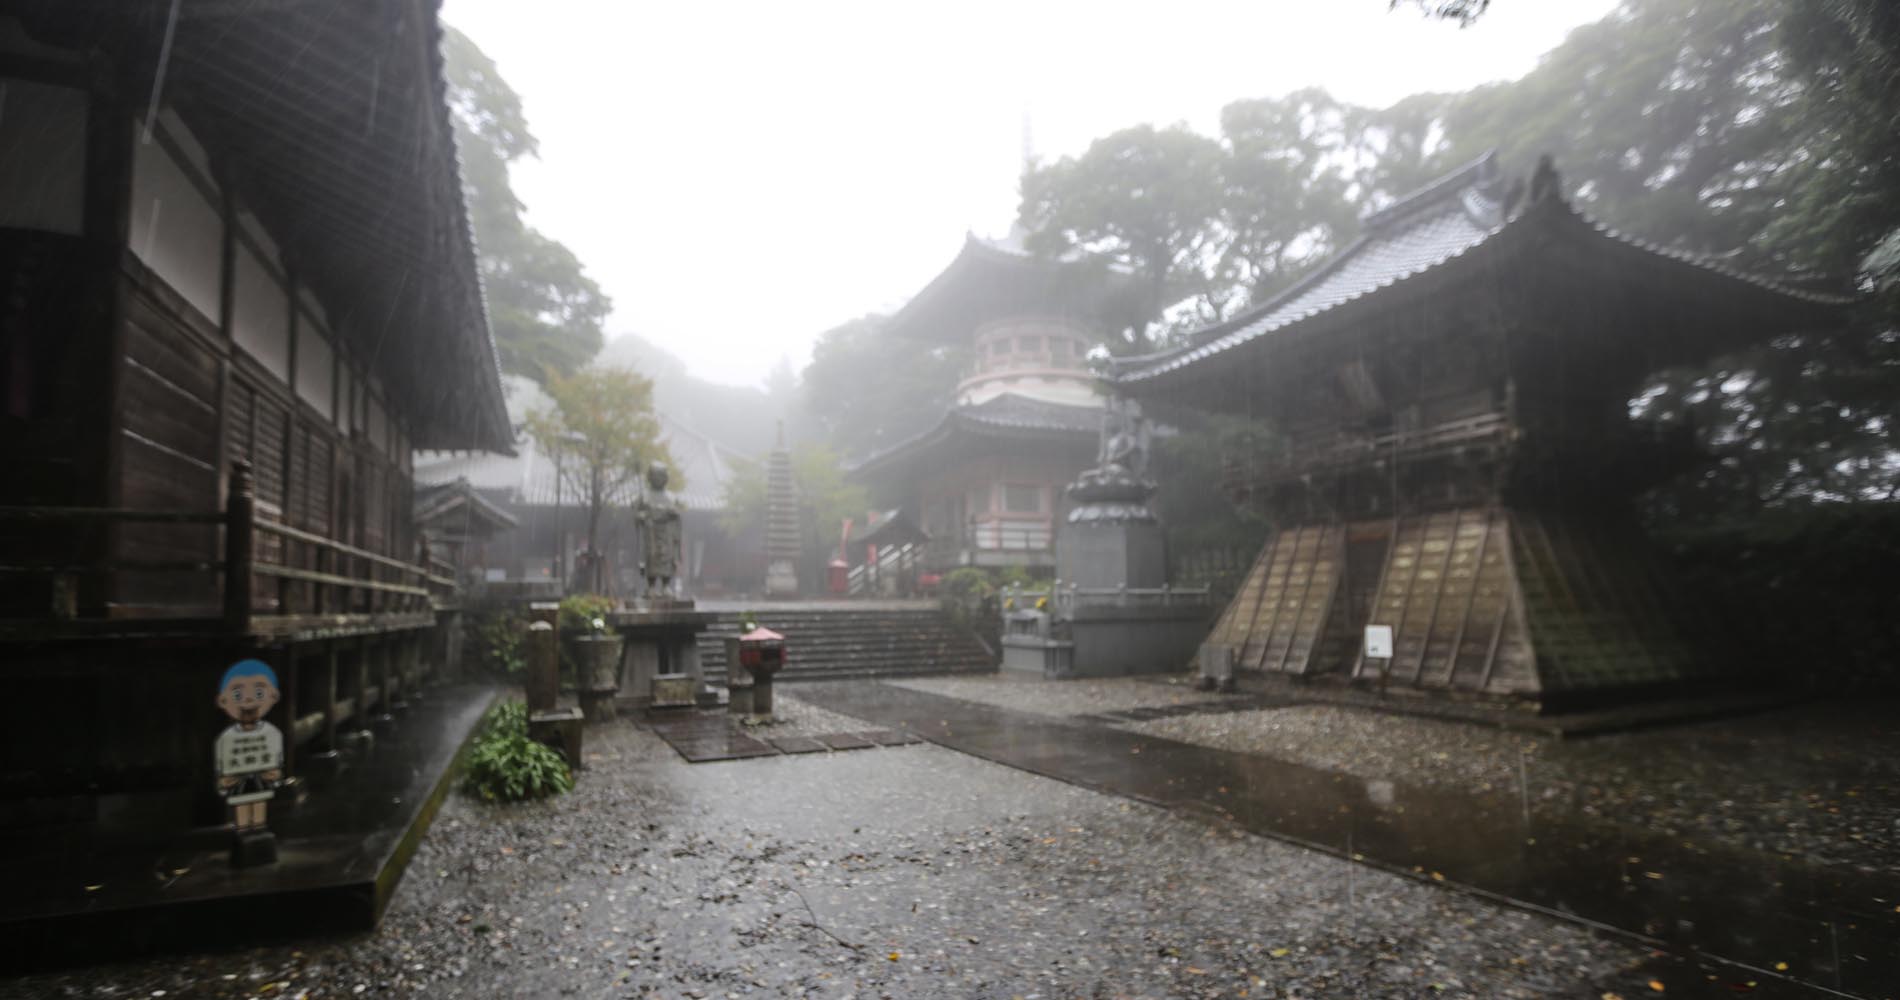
x,y
597,673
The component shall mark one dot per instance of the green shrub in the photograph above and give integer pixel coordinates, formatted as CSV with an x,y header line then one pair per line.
x,y
967,584
510,718
580,611
505,765
501,640
1803,595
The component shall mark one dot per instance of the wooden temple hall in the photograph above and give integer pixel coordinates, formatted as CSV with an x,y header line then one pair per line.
x,y
1447,447
237,288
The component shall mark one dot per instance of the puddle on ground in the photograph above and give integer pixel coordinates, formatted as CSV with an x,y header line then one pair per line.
x,y
1824,926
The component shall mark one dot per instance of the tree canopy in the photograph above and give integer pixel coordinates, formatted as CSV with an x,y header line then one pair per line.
x,y
545,311
1762,132
866,389
603,434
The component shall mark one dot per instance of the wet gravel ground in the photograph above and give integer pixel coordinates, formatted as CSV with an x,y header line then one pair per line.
x,y
793,717
905,872
1064,698
1821,782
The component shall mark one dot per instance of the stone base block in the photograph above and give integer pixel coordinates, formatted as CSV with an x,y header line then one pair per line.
x,y
253,848
1112,641
673,691
598,706
560,729
1038,657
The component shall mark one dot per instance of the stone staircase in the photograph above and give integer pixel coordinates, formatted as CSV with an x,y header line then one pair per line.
x,y
837,640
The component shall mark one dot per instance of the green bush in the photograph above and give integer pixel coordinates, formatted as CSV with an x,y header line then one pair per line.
x,y
500,638
967,584
1803,595
579,611
505,765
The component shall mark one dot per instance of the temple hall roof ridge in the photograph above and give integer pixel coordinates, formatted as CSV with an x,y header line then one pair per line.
x,y
1424,231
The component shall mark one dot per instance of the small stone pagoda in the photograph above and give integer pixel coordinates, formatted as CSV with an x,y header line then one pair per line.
x,y
782,547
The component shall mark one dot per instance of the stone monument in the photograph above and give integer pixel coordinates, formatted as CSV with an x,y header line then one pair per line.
x,y
659,536
1111,610
660,667
1111,538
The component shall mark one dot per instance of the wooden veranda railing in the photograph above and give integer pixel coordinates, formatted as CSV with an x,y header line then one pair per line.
x,y
339,579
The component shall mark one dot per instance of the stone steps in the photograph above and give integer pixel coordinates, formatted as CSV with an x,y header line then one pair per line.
x,y
837,644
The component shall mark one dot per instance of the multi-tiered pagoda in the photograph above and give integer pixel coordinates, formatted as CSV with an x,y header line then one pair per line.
x,y
985,482
1448,447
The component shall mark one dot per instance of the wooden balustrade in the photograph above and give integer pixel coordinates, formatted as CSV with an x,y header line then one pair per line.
x,y
343,578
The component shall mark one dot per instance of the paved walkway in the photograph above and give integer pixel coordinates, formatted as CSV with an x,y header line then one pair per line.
x,y
1821,926
912,873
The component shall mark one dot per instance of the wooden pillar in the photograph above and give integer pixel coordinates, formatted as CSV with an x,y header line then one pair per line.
x,y
391,681
292,700
362,684
239,509
412,663
329,698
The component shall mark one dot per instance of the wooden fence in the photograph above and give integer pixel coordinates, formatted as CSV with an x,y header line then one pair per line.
x,y
295,571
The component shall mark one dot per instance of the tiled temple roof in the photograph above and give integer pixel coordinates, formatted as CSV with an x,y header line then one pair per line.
x,y
1424,231
1005,415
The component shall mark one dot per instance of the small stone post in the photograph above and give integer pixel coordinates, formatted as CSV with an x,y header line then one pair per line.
x,y
738,681
547,723
544,668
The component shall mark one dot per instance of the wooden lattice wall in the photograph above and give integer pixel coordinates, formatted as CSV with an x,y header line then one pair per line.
x,y
1481,600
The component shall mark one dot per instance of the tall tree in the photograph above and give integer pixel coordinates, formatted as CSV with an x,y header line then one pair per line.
x,y
602,433
1286,199
1765,133
1462,11
545,311
1148,199
1212,224
866,389
1760,132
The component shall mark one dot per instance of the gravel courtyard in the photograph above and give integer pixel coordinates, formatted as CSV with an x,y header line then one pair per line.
x,y
1065,698
901,872
1820,782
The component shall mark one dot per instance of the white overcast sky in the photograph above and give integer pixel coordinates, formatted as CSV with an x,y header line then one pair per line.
x,y
742,177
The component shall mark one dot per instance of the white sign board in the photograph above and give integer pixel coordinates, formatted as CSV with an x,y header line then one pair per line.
x,y
1378,642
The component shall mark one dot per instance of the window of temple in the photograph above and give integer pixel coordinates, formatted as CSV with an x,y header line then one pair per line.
x,y
177,227
316,366
345,396
42,157
1019,498
260,312
378,428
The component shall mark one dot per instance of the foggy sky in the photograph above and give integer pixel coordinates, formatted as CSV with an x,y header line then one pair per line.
x,y
741,178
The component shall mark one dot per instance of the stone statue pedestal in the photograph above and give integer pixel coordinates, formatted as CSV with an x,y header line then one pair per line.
x,y
661,667
1114,605
1111,539
781,580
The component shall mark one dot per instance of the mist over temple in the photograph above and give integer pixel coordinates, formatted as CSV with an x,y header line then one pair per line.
x,y
574,505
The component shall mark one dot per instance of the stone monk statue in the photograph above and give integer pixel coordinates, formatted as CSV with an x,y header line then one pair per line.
x,y
1124,449
660,535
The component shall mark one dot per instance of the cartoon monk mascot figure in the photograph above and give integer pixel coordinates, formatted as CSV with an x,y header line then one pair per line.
x,y
250,752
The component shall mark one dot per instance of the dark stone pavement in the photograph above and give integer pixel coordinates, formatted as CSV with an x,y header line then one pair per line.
x,y
1828,927
903,872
